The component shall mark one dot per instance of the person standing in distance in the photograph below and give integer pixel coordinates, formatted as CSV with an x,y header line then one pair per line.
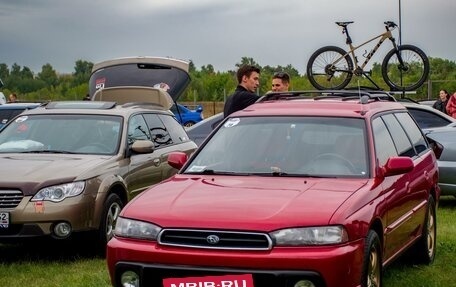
x,y
280,82
248,81
12,98
441,103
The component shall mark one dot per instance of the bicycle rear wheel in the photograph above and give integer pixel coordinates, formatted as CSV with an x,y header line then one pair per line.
x,y
409,76
329,67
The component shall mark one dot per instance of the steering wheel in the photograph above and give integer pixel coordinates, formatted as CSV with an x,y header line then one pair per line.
x,y
338,158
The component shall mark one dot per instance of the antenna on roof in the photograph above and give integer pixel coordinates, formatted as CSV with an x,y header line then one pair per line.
x,y
359,90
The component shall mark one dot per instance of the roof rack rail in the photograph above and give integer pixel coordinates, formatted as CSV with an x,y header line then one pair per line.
x,y
345,95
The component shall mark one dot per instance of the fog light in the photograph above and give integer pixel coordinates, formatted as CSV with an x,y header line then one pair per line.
x,y
304,283
62,229
129,279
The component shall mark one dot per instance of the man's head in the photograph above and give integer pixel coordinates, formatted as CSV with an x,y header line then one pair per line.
x,y
249,77
280,82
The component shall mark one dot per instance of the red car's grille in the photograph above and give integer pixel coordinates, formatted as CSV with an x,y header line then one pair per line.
x,y
10,198
215,239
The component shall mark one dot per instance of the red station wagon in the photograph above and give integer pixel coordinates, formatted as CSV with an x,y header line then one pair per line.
x,y
303,189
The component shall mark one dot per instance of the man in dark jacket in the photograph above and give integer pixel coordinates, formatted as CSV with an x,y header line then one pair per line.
x,y
249,79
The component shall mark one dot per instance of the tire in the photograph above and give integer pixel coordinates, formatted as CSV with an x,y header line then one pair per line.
x,y
323,73
425,248
112,207
372,262
414,73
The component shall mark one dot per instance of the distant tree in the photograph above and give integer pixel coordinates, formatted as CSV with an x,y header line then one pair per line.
x,y
26,73
82,71
247,61
191,67
4,71
48,75
208,69
15,70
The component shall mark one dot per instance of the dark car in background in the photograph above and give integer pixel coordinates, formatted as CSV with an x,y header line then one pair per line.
x,y
446,159
201,130
427,117
186,116
10,110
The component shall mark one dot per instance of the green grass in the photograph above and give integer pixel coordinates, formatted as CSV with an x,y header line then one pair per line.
x,y
39,264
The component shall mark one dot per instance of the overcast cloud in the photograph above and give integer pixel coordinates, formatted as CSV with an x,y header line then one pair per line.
x,y
217,32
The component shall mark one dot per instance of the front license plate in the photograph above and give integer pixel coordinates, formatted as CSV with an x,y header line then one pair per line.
x,y
4,219
244,280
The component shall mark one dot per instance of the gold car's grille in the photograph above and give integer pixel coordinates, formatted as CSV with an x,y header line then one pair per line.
x,y
213,239
10,198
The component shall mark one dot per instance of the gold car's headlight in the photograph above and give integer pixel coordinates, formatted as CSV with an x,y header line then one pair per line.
x,y
57,193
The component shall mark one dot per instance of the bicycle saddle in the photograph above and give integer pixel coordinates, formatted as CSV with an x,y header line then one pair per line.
x,y
344,24
390,24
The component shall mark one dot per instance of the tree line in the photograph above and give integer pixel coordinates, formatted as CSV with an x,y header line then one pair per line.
x,y
206,84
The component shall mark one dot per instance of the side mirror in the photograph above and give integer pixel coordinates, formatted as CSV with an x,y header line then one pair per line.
x,y
398,165
177,159
436,147
199,108
143,146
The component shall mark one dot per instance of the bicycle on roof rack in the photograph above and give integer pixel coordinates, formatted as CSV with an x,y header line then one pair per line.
x,y
404,68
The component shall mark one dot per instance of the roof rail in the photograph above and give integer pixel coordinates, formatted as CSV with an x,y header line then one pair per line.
x,y
377,95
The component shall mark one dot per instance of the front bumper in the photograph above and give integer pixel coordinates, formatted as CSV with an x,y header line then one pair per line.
x,y
328,266
35,219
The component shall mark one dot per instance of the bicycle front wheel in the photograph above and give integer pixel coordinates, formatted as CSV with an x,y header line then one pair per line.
x,y
409,75
329,67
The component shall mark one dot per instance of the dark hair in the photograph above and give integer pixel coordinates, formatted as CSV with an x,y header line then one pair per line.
x,y
283,76
246,70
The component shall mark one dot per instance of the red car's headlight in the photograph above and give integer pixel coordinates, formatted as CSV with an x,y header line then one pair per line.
x,y
320,235
126,227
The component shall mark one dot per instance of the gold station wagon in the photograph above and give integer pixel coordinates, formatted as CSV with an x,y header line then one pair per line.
x,y
69,167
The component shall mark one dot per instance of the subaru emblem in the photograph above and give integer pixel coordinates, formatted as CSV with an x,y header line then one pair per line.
x,y
212,239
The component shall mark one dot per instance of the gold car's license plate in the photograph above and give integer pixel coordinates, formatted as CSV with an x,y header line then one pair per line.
x,y
244,280
4,219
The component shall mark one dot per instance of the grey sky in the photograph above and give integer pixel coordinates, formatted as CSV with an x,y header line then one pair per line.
x,y
217,32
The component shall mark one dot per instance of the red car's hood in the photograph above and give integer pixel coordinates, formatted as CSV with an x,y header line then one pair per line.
x,y
251,203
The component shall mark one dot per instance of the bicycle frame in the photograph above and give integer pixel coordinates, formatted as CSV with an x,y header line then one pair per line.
x,y
383,36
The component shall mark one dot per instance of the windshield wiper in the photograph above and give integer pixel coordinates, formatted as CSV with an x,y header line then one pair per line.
x,y
217,172
48,151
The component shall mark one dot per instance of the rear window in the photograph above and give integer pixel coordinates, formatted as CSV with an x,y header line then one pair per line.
x,y
145,75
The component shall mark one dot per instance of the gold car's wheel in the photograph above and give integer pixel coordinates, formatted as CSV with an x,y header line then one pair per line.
x,y
112,208
372,264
